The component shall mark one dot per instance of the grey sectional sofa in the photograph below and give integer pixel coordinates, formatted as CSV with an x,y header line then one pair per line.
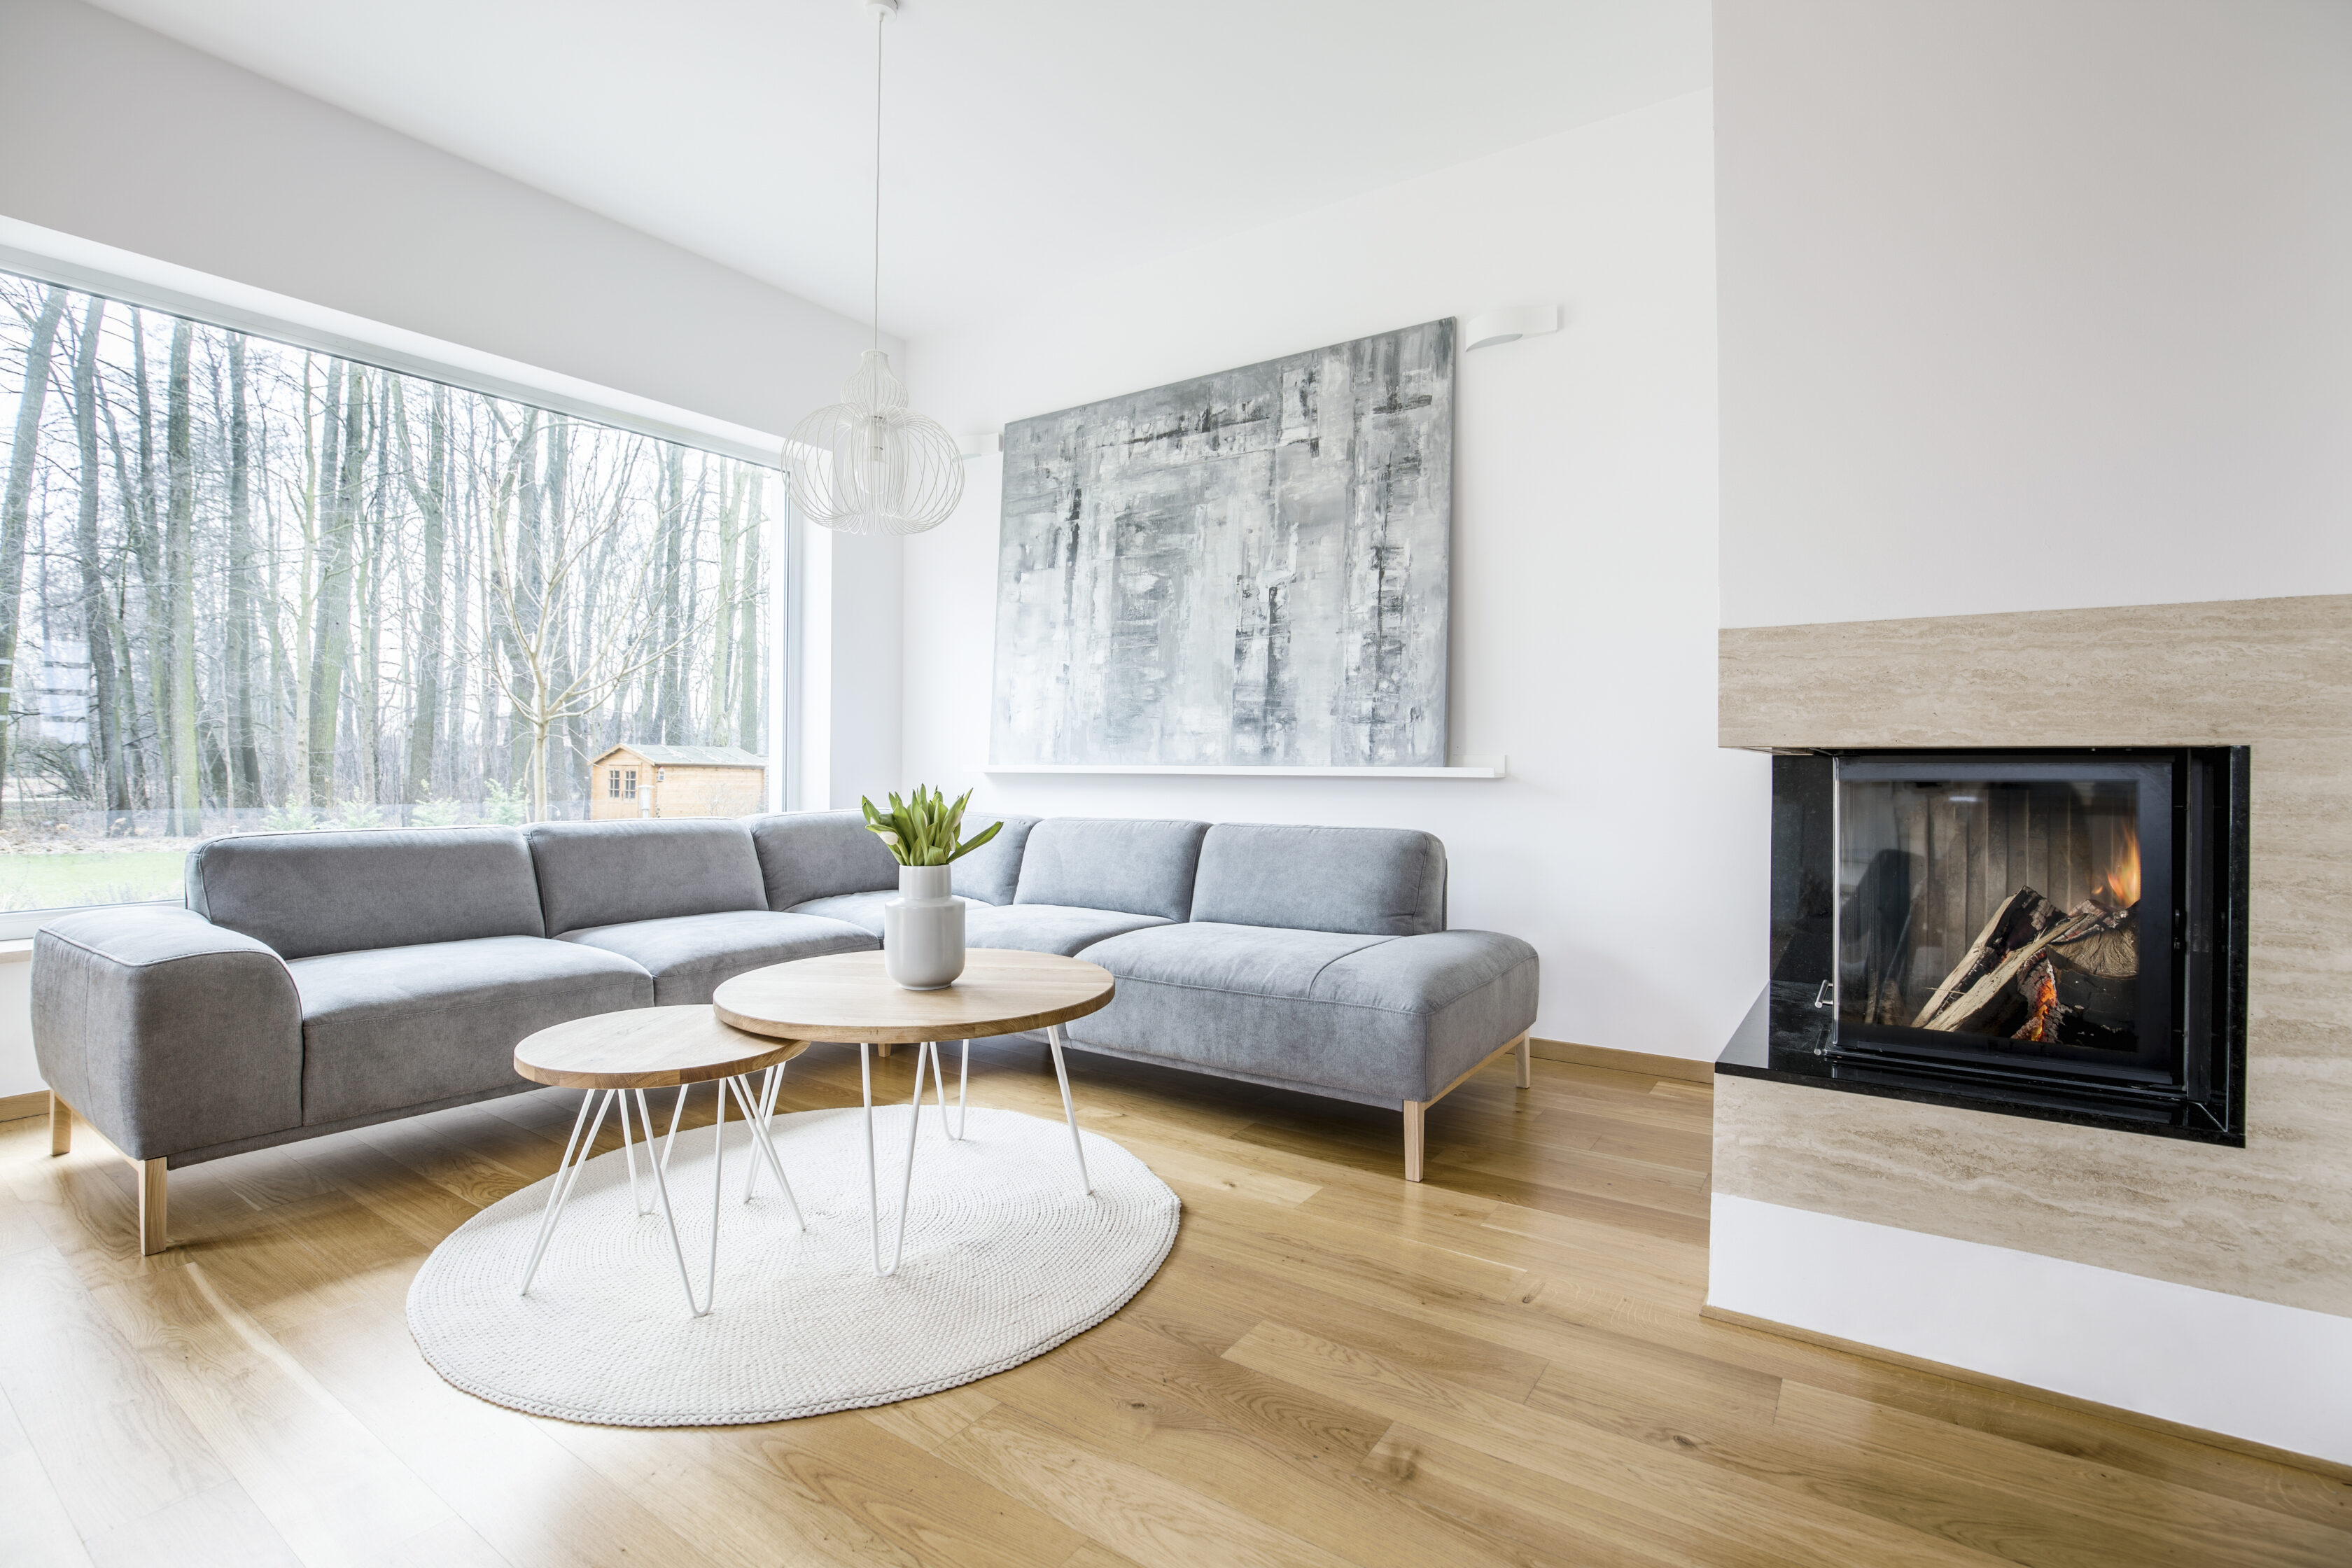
x,y
321,981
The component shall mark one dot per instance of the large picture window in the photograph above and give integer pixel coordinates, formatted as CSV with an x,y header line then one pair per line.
x,y
249,586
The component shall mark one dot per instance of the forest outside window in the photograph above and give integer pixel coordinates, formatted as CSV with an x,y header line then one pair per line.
x,y
251,587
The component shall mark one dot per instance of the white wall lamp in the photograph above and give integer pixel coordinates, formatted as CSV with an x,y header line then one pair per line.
x,y
982,443
1509,325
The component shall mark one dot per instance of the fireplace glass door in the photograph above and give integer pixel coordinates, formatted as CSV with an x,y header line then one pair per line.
x,y
2013,912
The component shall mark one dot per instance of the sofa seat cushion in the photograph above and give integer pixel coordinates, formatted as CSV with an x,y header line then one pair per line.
x,y
863,911
1376,1019
395,1027
689,955
1046,928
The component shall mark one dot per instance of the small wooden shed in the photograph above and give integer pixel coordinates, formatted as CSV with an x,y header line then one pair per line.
x,y
676,780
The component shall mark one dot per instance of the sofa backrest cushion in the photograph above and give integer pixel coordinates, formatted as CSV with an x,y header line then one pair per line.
x,y
606,873
991,873
1135,867
807,855
1379,881
337,891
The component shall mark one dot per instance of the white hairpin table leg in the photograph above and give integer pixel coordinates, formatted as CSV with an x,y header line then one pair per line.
x,y
873,1177
873,1183
577,1151
629,1152
963,1085
771,1083
1069,1110
717,1177
676,1109
567,1172
759,1139
928,1050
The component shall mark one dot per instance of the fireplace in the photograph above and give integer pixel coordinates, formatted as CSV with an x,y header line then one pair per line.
x,y
2046,933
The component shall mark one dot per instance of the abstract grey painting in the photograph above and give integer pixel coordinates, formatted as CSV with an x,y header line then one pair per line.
x,y
1248,569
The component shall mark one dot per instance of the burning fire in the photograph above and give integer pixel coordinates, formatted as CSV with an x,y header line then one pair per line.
x,y
2043,1025
2118,881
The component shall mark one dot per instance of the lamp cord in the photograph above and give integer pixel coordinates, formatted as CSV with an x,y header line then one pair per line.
x,y
879,16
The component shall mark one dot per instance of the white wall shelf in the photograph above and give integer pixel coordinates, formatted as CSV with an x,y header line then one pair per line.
x,y
1482,768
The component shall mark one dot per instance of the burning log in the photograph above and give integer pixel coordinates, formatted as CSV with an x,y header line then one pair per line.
x,y
2041,985
2015,966
2022,916
2110,953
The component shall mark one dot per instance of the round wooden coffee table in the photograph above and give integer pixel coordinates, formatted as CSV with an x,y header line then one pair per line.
x,y
846,998
615,1056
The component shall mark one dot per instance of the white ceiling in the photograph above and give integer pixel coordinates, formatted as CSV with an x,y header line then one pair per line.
x,y
1028,140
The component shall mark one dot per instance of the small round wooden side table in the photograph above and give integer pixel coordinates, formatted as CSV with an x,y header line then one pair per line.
x,y
846,998
615,1056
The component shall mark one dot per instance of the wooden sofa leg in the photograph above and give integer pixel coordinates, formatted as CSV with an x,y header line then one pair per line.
x,y
154,1189
60,1124
1413,1111
1527,1050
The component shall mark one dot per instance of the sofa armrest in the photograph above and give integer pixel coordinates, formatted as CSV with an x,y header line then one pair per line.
x,y
1476,991
166,1032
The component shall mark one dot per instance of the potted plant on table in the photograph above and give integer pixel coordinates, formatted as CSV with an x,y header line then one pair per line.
x,y
922,927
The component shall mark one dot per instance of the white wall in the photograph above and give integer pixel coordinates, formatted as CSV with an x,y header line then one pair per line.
x,y
2032,303
121,135
2274,1374
847,735
1625,844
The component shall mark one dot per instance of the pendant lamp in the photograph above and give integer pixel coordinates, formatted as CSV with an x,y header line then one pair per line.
x,y
868,464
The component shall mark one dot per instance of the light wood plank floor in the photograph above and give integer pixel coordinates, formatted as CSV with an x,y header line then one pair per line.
x,y
1504,1365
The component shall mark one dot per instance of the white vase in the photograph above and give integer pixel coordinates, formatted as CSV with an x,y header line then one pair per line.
x,y
922,930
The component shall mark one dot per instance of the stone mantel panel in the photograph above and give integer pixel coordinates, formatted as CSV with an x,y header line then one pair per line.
x,y
2272,1220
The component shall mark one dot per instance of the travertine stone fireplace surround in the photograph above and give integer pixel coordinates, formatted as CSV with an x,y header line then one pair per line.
x,y
2270,1222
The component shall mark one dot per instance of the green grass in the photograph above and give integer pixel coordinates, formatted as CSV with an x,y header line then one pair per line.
x,y
101,877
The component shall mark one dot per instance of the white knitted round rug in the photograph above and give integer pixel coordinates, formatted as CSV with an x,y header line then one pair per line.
x,y
1005,1258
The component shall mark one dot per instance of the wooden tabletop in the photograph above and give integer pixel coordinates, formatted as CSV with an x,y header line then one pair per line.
x,y
646,1047
848,997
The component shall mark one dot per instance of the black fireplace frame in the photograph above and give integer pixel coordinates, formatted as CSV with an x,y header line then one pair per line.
x,y
2190,1083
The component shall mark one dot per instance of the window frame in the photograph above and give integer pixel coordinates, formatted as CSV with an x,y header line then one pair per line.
x,y
125,278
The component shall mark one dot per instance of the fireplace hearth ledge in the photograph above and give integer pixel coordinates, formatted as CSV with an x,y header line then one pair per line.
x,y
1785,1038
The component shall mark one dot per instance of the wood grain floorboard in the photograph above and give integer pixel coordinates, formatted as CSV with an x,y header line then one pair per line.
x,y
1502,1365
40,1533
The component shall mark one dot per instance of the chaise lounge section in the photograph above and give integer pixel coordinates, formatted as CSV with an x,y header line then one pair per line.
x,y
317,982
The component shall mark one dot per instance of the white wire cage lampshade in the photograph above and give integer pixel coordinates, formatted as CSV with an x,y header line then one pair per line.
x,y
868,464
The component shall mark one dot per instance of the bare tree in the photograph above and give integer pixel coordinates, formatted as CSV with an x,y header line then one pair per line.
x,y
431,499
245,753
180,594
331,632
543,687
751,699
16,505
97,612
273,621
